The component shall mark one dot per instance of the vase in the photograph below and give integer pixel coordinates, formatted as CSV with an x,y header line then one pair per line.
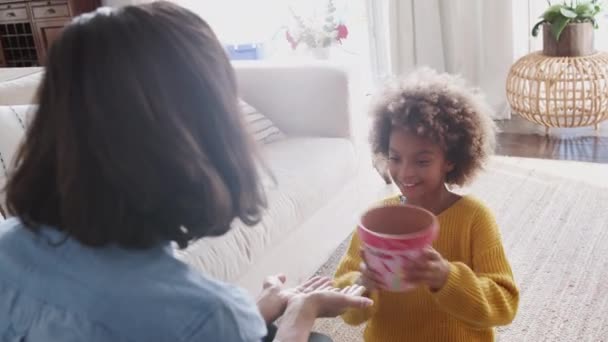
x,y
321,53
576,40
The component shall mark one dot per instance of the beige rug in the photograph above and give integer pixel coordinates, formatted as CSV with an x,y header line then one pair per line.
x,y
554,220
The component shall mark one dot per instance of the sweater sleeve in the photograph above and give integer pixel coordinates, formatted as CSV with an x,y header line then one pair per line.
x,y
347,274
487,287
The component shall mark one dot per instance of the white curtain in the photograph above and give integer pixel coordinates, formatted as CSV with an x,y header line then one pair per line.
x,y
473,38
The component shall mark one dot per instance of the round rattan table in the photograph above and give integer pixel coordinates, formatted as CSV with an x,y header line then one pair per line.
x,y
560,91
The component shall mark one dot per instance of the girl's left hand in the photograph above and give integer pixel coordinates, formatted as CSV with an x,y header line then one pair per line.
x,y
430,269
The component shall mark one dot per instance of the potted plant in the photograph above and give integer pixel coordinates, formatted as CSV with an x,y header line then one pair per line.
x,y
568,28
317,35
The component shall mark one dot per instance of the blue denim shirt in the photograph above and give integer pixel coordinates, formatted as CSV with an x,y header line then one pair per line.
x,y
63,291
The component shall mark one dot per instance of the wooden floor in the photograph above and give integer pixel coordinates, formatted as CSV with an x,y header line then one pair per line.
x,y
521,138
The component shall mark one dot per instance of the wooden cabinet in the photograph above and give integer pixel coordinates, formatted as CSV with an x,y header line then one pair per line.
x,y
14,12
48,11
47,32
28,28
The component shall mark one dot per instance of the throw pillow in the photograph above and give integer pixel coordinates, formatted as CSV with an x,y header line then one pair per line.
x,y
263,129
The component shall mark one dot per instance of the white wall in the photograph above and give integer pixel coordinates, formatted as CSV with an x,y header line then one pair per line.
x,y
601,34
525,15
264,21
241,20
253,20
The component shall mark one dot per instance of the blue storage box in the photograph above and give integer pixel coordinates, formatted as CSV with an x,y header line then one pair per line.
x,y
244,51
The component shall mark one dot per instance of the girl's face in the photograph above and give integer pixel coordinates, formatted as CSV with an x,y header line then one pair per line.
x,y
417,165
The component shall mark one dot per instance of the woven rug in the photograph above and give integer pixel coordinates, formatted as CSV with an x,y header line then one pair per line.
x,y
554,222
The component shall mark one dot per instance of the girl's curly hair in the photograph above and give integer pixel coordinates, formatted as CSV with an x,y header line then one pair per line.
x,y
442,108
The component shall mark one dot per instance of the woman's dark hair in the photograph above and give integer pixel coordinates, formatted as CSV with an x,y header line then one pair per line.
x,y
138,137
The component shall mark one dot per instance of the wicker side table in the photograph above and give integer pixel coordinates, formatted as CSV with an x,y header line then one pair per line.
x,y
560,91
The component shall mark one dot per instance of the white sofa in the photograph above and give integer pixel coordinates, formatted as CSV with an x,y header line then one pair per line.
x,y
314,204
18,85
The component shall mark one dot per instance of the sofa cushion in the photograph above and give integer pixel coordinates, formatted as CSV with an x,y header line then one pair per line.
x,y
18,85
308,172
263,129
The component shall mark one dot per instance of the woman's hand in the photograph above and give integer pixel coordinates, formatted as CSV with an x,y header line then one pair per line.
x,y
326,301
332,302
430,269
273,299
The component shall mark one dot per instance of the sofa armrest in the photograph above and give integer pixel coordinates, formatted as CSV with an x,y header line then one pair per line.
x,y
302,100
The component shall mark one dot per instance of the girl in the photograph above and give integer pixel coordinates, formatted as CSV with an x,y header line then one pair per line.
x,y
435,134
137,143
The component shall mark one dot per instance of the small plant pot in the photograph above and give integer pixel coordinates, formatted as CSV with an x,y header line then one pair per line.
x,y
393,237
576,40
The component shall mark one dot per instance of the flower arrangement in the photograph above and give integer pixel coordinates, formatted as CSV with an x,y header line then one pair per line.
x,y
314,34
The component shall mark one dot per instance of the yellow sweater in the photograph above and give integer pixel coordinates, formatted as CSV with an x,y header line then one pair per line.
x,y
480,292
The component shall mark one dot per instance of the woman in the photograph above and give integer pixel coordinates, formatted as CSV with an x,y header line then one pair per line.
x,y
137,143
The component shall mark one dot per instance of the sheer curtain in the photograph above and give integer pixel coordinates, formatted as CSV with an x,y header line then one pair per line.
x,y
473,38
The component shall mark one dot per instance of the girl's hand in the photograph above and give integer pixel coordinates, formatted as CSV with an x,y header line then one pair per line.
x,y
430,269
369,279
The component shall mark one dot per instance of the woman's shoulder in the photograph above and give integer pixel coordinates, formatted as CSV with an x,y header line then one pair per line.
x,y
221,312
126,288
223,296
173,296
9,226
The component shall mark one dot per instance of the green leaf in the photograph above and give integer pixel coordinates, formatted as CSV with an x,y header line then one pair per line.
x,y
552,12
598,8
567,12
558,26
536,28
584,10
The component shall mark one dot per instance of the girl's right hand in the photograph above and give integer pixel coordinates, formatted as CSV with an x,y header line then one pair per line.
x,y
369,279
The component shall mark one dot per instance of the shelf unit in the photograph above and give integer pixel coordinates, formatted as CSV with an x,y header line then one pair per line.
x,y
28,28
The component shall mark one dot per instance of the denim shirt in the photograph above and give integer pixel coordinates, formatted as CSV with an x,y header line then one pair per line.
x,y
56,289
